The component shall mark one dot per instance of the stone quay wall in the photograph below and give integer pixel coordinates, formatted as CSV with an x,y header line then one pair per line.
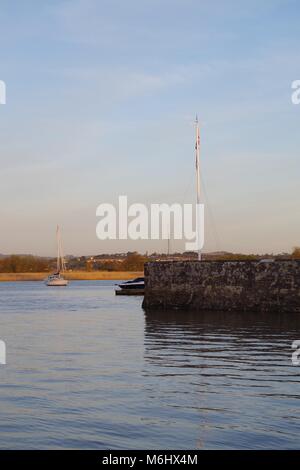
x,y
256,286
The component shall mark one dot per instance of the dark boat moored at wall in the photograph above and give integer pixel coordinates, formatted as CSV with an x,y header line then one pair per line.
x,y
134,287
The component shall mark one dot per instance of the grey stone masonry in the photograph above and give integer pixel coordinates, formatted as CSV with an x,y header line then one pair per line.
x,y
256,286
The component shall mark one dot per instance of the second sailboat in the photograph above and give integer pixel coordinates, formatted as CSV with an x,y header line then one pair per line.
x,y
57,279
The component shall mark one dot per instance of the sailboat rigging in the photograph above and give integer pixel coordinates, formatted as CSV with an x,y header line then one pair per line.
x,y
57,279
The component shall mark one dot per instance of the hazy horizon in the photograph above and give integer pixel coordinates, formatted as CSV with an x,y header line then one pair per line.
x,y
101,99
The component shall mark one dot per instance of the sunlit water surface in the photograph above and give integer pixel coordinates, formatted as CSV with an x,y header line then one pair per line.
x,y
89,370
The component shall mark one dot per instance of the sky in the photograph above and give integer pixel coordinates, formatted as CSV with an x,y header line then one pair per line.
x,y
101,101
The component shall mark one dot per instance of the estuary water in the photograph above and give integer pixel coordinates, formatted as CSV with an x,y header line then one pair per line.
x,y
89,370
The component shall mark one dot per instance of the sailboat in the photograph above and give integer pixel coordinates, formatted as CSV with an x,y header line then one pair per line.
x,y
57,279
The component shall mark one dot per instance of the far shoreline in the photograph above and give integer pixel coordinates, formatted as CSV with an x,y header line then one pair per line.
x,y
74,276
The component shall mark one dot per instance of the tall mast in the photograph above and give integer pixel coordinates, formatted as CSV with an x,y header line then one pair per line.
x,y
197,150
61,265
58,249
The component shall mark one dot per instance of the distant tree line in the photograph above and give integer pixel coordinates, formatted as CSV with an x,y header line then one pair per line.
x,y
28,263
131,262
23,264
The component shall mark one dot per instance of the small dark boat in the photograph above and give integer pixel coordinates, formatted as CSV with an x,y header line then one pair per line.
x,y
137,284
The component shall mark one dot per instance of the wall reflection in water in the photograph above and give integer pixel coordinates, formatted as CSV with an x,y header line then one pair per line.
x,y
226,378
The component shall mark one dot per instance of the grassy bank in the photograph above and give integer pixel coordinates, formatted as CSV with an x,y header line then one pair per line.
x,y
74,275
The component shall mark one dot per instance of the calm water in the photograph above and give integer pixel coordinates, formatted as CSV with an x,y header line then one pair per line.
x,y
86,369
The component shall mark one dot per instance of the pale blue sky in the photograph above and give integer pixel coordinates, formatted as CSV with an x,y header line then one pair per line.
x,y
101,97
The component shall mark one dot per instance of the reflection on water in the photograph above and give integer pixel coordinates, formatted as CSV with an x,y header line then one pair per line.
x,y
89,370
229,377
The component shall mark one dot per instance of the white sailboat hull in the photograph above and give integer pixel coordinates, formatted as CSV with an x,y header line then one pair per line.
x,y
56,282
56,279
